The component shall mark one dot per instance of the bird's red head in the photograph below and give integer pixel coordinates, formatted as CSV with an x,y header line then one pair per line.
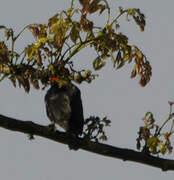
x,y
62,75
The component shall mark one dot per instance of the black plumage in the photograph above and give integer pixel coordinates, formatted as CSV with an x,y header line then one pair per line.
x,y
64,107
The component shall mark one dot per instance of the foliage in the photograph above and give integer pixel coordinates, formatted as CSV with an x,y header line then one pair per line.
x,y
94,128
156,141
62,37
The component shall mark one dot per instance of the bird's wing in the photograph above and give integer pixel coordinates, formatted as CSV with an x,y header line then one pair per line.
x,y
58,108
77,120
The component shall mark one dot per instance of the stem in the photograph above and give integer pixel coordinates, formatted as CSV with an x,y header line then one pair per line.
x,y
172,126
78,47
69,49
12,47
21,32
109,12
76,50
14,39
116,18
166,121
72,2
23,59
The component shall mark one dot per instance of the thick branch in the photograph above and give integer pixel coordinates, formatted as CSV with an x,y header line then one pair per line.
x,y
29,127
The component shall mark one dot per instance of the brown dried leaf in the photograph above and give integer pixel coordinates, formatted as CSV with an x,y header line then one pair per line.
x,y
24,82
39,58
34,30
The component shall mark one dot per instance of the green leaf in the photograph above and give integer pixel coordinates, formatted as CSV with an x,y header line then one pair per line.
x,y
74,34
69,11
60,27
98,63
51,68
152,143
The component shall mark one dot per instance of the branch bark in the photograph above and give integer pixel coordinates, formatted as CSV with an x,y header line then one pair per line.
x,y
28,127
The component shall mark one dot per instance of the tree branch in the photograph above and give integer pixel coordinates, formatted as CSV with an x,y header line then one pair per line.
x,y
29,127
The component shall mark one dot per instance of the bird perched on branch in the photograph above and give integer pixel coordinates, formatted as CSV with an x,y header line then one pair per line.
x,y
64,107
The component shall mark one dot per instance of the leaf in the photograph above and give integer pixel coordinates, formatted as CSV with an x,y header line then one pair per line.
x,y
38,30
42,41
34,30
39,58
59,30
35,83
51,68
69,11
2,27
4,69
86,24
139,18
42,31
133,73
24,82
106,121
8,33
121,64
118,59
4,53
13,80
53,20
60,27
149,115
121,60
162,148
31,51
98,63
74,34
103,138
131,11
152,143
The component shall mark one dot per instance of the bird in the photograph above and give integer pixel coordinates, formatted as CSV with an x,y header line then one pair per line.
x,y
64,107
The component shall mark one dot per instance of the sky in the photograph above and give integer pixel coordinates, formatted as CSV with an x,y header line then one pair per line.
x,y
112,94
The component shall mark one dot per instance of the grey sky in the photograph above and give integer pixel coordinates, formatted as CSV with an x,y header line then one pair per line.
x,y
113,94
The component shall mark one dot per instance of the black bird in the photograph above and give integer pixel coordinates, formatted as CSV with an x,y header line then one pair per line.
x,y
64,107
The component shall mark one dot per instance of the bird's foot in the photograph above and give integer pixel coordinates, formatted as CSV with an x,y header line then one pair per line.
x,y
73,142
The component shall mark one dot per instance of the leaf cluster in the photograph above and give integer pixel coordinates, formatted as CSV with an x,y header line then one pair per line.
x,y
65,35
152,138
95,128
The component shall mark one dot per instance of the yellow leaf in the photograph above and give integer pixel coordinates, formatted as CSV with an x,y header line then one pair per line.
x,y
98,63
42,40
162,147
153,141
